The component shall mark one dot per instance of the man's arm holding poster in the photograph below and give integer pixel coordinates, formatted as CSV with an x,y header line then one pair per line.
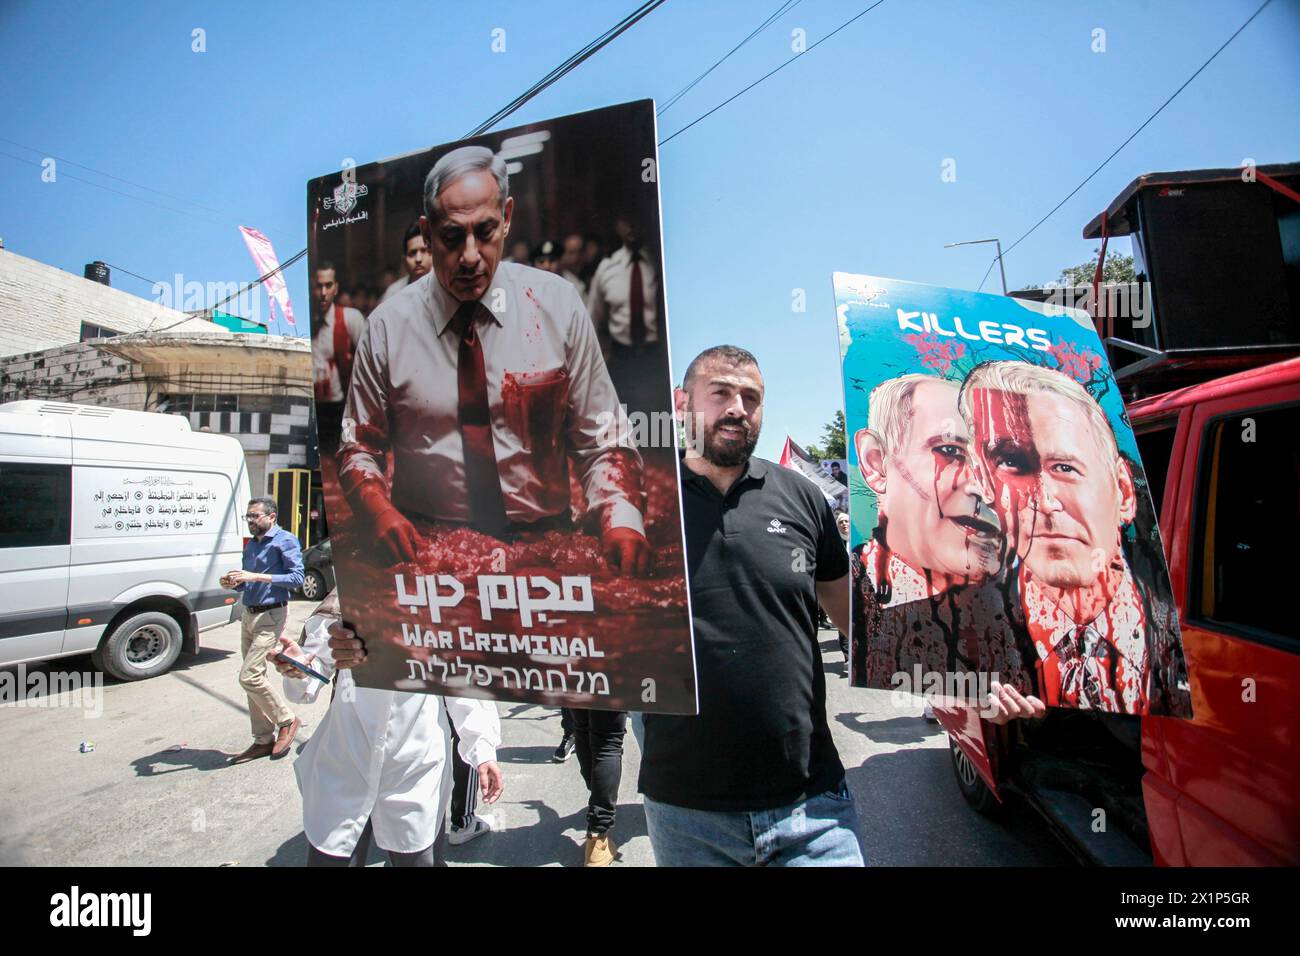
x,y
364,445
1005,703
599,439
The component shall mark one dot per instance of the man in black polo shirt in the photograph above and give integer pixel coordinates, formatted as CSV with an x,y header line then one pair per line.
x,y
754,779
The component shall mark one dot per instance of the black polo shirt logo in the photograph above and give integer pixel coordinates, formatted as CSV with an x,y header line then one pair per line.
x,y
775,527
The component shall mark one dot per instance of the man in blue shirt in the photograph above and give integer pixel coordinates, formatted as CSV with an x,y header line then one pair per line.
x,y
272,570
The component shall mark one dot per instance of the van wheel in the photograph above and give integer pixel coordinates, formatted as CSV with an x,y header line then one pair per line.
x,y
144,645
971,784
313,585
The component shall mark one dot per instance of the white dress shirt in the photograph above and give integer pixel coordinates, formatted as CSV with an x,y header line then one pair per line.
x,y
549,395
610,297
575,282
394,288
325,373
381,755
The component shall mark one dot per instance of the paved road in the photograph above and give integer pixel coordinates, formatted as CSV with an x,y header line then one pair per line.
x,y
156,789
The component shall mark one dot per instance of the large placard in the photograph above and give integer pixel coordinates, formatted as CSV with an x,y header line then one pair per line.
x,y
1002,525
493,402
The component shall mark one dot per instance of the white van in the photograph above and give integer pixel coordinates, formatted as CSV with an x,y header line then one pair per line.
x,y
115,529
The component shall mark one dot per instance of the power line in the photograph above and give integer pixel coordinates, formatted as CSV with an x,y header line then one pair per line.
x,y
772,72
99,172
1144,125
987,272
785,7
91,182
130,273
556,74
212,308
568,65
280,268
560,71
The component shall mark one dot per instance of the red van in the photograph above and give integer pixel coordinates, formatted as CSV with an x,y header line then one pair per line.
x,y
1222,458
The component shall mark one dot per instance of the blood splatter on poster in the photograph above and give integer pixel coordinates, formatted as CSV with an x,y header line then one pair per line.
x,y
493,402
1002,526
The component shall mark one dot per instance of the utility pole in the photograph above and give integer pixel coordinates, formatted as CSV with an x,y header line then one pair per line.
x,y
976,242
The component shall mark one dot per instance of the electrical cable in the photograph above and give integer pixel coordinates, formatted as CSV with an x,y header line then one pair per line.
x,y
91,182
585,53
773,72
212,308
785,7
568,65
130,273
99,172
1134,134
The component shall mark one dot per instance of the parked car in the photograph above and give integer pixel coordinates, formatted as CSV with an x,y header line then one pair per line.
x,y
318,571
115,529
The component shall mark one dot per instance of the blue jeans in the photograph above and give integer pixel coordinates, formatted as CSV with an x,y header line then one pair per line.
x,y
819,831
637,720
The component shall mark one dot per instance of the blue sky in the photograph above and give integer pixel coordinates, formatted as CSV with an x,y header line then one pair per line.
x,y
833,164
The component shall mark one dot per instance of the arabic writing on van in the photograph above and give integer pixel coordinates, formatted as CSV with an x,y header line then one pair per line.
x,y
149,504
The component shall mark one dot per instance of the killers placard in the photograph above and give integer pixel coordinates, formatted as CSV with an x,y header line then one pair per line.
x,y
493,401
1002,525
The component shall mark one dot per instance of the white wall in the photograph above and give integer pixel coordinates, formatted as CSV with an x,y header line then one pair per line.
x,y
43,307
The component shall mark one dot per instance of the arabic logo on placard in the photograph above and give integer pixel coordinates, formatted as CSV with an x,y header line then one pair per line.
x,y
345,197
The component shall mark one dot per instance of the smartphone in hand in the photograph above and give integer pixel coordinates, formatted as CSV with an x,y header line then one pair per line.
x,y
302,667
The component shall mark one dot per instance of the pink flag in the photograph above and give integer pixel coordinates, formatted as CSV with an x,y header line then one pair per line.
x,y
264,255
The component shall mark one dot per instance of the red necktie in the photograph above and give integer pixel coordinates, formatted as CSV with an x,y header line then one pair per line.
x,y
636,304
482,480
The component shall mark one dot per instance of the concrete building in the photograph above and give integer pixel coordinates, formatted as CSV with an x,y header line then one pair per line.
x,y
69,339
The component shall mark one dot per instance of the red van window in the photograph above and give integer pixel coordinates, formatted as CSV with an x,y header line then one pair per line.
x,y
1249,523
1156,446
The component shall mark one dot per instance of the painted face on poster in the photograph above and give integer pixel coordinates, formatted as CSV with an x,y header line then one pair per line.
x,y
1006,530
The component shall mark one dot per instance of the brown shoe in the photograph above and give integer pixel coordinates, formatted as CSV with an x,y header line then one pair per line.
x,y
600,850
284,739
252,753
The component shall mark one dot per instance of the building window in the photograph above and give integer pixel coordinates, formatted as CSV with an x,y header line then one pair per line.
x,y
176,404
243,404
91,331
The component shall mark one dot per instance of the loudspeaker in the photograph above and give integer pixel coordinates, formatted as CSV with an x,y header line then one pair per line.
x,y
1214,256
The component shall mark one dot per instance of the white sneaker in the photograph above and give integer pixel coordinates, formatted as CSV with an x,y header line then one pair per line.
x,y
928,713
481,825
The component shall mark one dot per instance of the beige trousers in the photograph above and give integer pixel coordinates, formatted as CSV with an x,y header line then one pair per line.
x,y
260,638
